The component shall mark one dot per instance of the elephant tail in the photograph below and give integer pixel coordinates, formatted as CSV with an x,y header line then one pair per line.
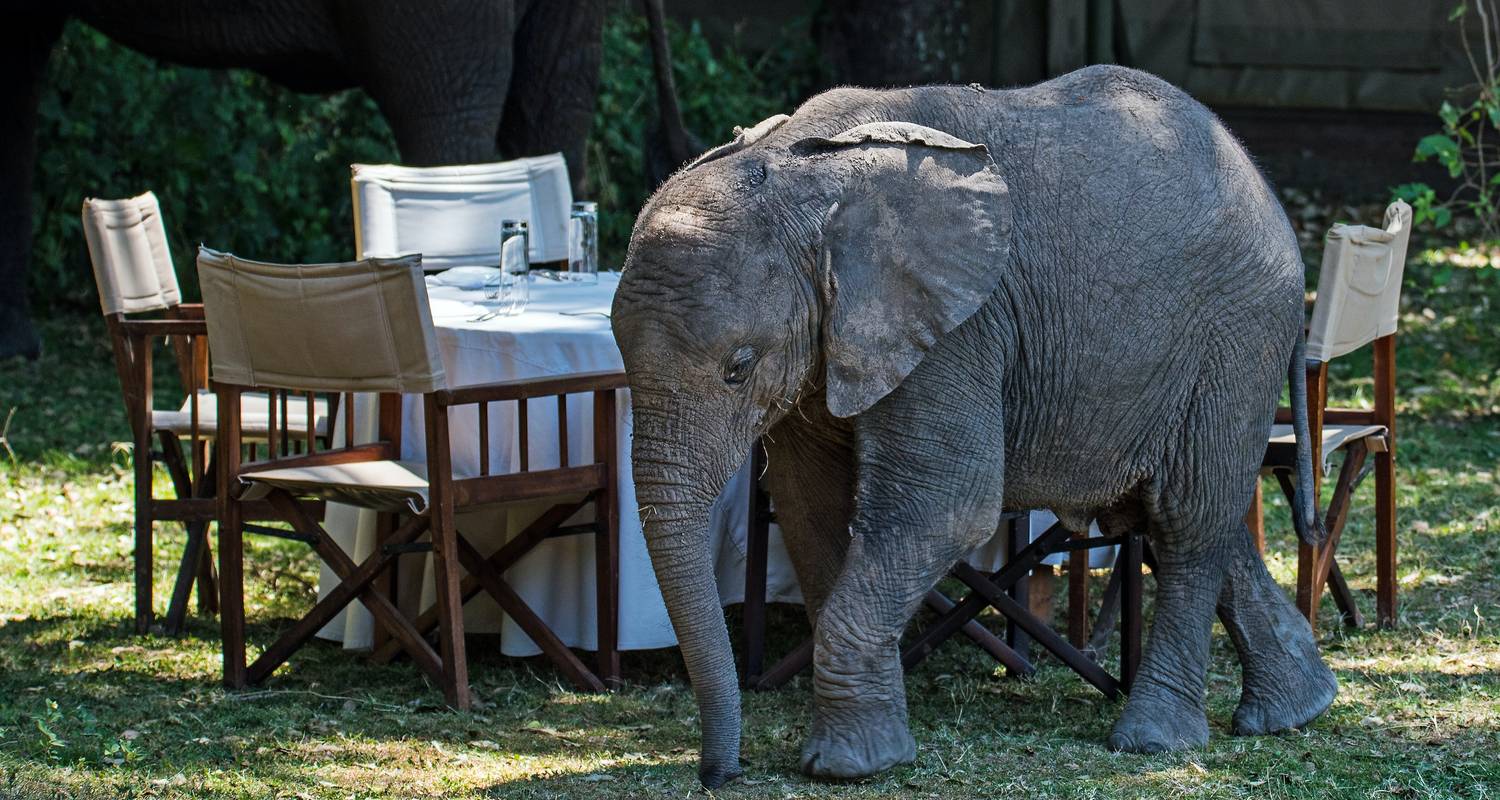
x,y
1304,506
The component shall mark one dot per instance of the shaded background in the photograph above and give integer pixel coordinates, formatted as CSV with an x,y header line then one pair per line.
x,y
1329,97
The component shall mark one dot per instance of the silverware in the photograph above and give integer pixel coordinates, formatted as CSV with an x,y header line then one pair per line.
x,y
488,315
585,314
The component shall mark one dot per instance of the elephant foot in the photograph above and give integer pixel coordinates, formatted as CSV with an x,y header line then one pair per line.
x,y
847,749
1286,683
1290,703
713,776
1158,721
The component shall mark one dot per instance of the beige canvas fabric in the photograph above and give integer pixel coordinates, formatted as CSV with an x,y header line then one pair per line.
x,y
359,326
255,417
1359,289
1334,437
452,215
128,248
381,485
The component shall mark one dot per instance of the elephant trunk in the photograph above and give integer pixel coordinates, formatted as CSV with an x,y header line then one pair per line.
x,y
675,500
681,555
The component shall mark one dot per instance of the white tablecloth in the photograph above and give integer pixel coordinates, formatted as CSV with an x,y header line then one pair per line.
x,y
564,330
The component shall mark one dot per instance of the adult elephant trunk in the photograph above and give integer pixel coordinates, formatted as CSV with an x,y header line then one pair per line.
x,y
670,144
675,487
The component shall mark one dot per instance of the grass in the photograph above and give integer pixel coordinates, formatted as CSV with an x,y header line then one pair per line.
x,y
87,709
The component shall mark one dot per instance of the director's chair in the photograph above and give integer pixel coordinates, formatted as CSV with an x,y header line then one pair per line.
x,y
298,331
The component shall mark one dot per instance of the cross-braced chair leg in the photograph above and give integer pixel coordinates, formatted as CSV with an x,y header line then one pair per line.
x,y
355,584
144,536
1316,566
196,565
445,560
996,590
607,545
487,575
757,544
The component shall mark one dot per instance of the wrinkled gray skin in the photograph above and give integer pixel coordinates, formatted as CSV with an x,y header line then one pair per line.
x,y
1091,312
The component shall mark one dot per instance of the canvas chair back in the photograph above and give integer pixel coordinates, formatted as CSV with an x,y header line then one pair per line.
x,y
452,215
128,248
1359,288
361,326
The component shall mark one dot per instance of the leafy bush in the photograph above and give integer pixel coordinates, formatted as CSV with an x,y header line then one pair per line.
x,y
242,164
717,91
237,162
1470,117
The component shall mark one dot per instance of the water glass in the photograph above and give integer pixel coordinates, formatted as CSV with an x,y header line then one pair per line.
x,y
583,242
515,266
493,284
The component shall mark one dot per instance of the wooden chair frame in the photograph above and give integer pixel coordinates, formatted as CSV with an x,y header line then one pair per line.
x,y
132,340
447,494
1317,567
1005,590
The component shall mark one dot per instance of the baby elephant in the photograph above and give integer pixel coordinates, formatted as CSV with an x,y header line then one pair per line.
x,y
938,302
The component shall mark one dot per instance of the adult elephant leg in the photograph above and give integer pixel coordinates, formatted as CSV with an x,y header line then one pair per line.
x,y
24,47
554,83
1285,682
1165,710
810,472
928,490
1195,507
439,72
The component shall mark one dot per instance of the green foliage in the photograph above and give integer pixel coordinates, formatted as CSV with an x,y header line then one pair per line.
x,y
717,91
1424,204
244,165
238,163
1470,118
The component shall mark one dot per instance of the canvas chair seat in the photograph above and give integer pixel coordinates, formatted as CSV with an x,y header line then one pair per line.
x,y
256,422
1281,448
378,485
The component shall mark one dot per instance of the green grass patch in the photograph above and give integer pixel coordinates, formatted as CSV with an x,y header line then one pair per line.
x,y
87,709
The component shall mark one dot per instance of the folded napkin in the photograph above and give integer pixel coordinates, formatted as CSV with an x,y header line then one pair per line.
x,y
467,278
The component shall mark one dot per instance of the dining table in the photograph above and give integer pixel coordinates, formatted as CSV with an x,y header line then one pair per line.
x,y
563,329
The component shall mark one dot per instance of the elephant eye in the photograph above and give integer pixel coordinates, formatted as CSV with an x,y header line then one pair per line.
x,y
739,365
756,173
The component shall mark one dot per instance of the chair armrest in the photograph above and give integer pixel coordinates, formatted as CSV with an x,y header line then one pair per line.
x,y
142,328
527,388
375,451
189,310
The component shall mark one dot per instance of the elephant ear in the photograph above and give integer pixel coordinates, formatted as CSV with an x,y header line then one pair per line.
x,y
915,244
743,138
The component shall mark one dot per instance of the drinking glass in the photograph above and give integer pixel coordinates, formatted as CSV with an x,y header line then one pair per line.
x,y
515,266
494,284
583,242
